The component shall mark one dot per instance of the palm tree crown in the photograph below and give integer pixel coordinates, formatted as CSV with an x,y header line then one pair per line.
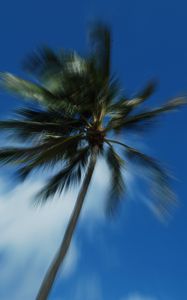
x,y
79,108
78,104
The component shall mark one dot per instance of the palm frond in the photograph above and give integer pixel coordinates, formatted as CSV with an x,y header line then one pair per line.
x,y
19,155
117,185
142,95
40,94
60,150
144,117
30,130
124,105
48,115
160,180
109,91
25,88
50,66
158,177
62,73
43,155
100,39
70,175
42,63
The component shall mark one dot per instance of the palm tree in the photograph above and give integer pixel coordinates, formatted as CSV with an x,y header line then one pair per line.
x,y
76,114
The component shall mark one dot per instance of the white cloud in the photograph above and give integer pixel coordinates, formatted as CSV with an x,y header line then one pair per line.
x,y
29,239
30,236
138,296
88,288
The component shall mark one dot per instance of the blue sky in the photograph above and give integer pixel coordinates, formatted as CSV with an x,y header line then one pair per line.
x,y
133,257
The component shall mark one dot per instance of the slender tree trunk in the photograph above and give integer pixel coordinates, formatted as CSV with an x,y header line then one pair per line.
x,y
59,258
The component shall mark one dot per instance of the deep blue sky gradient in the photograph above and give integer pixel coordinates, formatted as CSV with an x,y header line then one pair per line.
x,y
134,252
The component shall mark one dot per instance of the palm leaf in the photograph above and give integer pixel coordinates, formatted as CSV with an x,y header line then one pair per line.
x,y
101,46
159,178
43,155
124,106
70,175
117,185
18,156
142,95
49,115
36,92
25,88
135,120
47,65
27,130
59,151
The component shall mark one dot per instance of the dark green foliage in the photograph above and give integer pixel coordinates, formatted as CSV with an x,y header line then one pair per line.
x,y
70,175
117,184
100,39
78,102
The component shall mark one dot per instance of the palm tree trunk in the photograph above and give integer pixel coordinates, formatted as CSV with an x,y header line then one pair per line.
x,y
59,258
